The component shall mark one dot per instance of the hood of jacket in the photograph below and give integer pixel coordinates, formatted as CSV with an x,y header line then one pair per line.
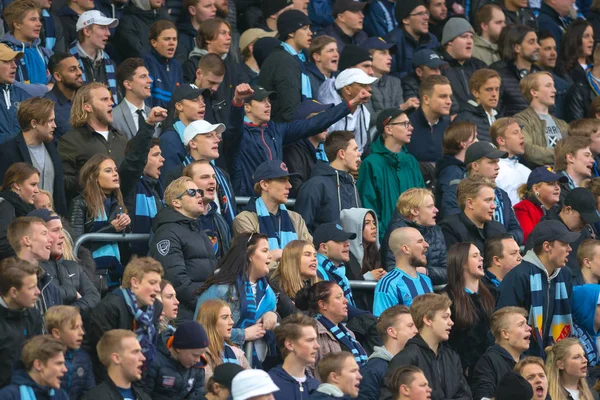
x,y
353,221
532,258
474,108
395,160
142,5
446,161
66,10
21,377
322,168
382,353
501,351
186,28
9,38
198,52
584,300
170,216
329,389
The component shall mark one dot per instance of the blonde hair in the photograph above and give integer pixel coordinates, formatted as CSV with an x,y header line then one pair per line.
x,y
79,116
426,305
47,193
469,188
208,315
138,267
569,145
554,354
112,342
175,188
528,361
411,199
498,128
530,82
20,227
499,319
288,270
15,12
68,250
42,348
58,317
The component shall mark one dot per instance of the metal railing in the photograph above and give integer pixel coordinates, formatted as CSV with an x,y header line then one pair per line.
x,y
109,237
372,284
243,200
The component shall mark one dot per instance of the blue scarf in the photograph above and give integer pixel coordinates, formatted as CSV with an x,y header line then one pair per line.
x,y
390,22
179,128
146,209
107,256
570,182
327,270
27,393
342,335
225,196
280,236
320,153
49,30
109,68
32,67
143,324
593,81
499,211
306,88
229,355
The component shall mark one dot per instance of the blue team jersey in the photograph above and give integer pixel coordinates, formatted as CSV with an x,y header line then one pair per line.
x,y
397,287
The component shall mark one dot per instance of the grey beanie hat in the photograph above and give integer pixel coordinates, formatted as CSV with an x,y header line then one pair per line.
x,y
455,27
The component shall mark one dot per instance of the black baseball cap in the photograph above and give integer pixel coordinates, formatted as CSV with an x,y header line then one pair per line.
x,y
272,169
428,58
584,202
341,6
483,149
271,7
188,91
260,93
308,107
550,230
224,373
331,231
544,174
352,55
376,43
386,116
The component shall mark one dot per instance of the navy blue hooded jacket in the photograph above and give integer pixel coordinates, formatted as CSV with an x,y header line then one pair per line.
x,y
373,373
186,40
251,146
49,293
22,378
62,112
289,388
9,126
380,19
405,47
79,377
584,300
449,170
325,195
166,75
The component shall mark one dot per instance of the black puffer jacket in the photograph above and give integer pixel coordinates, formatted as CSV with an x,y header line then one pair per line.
x,y
511,98
459,74
436,253
70,279
16,326
525,16
443,370
410,86
11,207
470,112
491,367
579,100
111,313
185,252
131,39
107,390
459,228
184,383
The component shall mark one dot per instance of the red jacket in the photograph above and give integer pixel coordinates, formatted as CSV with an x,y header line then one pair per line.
x,y
528,214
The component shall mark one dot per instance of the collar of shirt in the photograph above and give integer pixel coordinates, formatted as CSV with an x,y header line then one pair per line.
x,y
99,54
133,108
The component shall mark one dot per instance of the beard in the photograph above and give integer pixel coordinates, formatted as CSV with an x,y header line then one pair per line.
x,y
415,261
100,116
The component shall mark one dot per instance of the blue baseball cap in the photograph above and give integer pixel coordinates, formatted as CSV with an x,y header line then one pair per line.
x,y
376,43
272,169
308,107
549,231
428,58
544,174
331,231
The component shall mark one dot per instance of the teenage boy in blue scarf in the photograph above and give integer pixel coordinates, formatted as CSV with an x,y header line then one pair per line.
x,y
38,374
131,307
542,286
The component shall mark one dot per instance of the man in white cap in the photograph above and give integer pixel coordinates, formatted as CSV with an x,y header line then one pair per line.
x,y
348,84
93,31
11,95
253,384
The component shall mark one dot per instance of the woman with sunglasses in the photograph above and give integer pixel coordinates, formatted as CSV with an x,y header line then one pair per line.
x,y
390,169
180,244
241,281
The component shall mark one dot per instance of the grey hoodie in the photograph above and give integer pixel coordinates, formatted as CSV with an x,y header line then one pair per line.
x,y
531,257
382,353
352,221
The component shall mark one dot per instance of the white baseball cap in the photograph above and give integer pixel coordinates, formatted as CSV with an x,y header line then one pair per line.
x,y
353,75
95,17
251,383
200,127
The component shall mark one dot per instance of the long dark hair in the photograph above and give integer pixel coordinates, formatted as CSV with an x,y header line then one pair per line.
x,y
465,314
235,263
571,48
510,36
371,257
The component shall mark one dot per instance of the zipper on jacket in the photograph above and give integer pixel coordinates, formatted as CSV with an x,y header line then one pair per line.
x,y
301,387
262,137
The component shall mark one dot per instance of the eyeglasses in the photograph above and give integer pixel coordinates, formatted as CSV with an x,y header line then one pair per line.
x,y
191,193
405,124
420,14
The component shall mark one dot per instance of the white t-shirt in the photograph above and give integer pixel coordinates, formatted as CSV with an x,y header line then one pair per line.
x,y
574,393
104,134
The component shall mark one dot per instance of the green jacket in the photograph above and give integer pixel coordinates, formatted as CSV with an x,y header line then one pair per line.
x,y
383,177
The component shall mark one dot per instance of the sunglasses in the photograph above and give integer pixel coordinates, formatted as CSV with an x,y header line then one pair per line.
x,y
191,193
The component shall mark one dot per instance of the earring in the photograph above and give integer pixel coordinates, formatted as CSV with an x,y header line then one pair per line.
x,y
537,194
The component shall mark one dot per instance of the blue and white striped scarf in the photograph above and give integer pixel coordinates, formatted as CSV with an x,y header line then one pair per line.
x,y
592,80
229,355
280,236
107,256
327,270
143,324
342,335
109,68
306,88
49,30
